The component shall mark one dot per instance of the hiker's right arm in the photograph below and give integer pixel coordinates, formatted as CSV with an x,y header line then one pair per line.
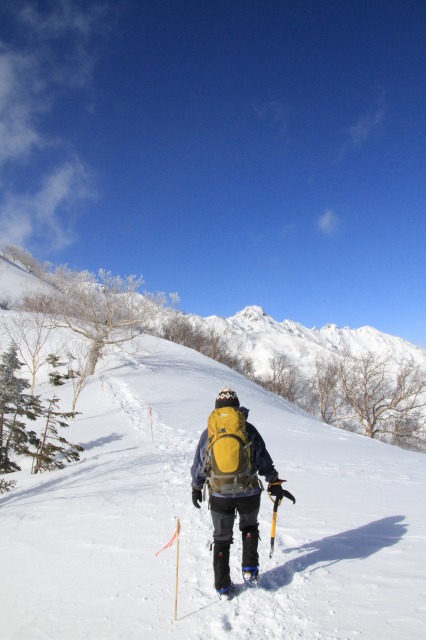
x,y
197,473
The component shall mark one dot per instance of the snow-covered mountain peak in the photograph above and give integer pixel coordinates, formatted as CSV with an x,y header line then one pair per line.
x,y
252,312
253,319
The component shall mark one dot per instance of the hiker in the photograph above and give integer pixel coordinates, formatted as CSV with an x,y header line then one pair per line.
x,y
233,491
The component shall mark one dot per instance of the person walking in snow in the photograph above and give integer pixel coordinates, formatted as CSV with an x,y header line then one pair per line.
x,y
229,456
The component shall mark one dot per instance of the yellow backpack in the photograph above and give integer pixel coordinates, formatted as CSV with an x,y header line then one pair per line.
x,y
227,460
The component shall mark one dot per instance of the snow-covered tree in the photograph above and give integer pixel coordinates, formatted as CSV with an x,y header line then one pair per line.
x,y
26,260
104,309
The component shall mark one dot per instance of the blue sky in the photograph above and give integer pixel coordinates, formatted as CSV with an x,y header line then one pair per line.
x,y
237,152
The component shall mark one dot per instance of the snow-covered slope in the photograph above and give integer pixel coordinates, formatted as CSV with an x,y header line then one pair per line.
x,y
15,281
77,546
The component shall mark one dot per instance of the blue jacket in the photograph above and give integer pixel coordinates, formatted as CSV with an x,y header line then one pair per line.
x,y
260,460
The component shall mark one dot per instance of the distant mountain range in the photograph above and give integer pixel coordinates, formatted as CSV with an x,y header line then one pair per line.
x,y
256,335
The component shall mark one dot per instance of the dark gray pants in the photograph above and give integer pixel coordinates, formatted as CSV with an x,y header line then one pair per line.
x,y
223,511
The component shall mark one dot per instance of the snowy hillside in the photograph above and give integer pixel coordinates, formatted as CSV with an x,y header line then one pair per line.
x,y
77,545
15,281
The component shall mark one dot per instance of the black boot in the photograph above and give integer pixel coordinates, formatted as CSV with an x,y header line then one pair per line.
x,y
250,564
222,578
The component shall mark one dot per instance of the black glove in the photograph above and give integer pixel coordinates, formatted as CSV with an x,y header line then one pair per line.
x,y
275,489
197,497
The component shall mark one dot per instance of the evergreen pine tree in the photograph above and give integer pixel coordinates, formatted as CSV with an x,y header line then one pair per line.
x,y
53,450
15,405
6,485
56,378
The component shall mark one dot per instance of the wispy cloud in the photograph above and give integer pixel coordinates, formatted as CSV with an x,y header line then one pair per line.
x,y
19,105
276,114
328,222
42,216
66,17
55,57
365,127
76,27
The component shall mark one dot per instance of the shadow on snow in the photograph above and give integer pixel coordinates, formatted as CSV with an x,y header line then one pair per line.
x,y
355,544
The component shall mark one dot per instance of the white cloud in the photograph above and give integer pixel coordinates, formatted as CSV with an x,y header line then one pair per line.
x,y
327,223
57,55
64,17
15,227
19,105
276,113
76,28
365,126
44,215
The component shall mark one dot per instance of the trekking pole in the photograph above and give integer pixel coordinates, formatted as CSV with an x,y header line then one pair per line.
x,y
277,502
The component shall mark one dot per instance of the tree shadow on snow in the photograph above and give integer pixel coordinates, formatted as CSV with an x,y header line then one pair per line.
x,y
355,544
100,442
89,474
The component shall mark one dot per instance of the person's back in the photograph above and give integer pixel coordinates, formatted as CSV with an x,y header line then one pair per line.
x,y
236,488
227,459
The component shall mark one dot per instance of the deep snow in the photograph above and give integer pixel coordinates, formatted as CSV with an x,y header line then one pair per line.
x,y
78,546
